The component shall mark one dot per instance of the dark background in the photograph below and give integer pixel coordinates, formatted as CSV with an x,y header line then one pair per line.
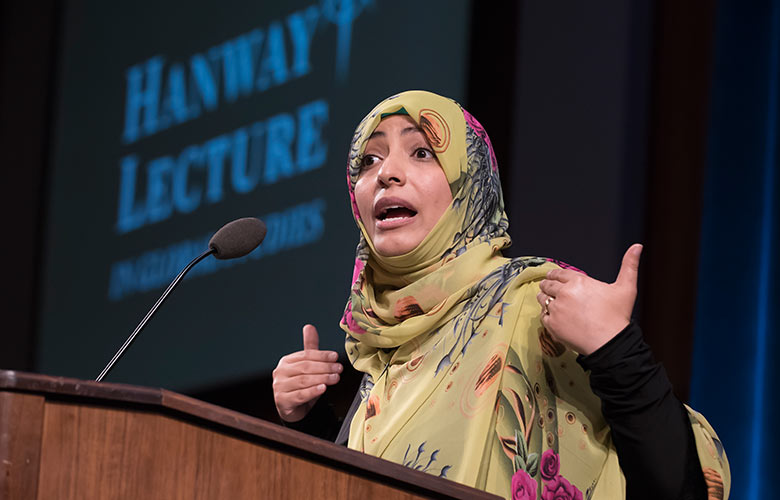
x,y
236,322
613,122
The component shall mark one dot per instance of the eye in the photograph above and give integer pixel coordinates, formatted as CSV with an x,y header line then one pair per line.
x,y
368,160
423,153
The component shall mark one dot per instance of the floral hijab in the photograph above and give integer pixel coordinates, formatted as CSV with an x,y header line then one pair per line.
x,y
463,381
391,297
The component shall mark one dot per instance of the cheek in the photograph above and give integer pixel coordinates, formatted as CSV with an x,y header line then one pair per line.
x,y
439,192
363,198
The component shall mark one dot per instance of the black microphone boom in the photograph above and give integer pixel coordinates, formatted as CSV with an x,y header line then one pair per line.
x,y
235,239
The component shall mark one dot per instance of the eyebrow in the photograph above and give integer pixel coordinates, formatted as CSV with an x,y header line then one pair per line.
x,y
407,130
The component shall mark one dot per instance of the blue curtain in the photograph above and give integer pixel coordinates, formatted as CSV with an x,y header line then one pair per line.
x,y
736,369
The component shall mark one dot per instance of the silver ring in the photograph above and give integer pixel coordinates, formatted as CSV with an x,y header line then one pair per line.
x,y
547,305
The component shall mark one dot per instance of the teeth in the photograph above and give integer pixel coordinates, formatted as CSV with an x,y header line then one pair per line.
x,y
387,209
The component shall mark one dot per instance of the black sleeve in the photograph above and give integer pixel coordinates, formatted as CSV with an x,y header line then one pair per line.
x,y
321,421
649,425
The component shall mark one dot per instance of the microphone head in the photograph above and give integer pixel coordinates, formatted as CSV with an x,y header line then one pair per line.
x,y
237,238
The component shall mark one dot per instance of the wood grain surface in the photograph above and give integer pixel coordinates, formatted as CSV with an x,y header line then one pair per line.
x,y
21,422
108,453
114,441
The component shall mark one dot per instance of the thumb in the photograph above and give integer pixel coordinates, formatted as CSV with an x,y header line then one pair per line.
x,y
311,340
629,269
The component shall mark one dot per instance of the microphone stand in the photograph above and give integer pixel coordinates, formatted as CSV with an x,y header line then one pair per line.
x,y
151,312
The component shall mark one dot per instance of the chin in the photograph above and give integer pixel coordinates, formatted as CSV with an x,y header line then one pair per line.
x,y
387,247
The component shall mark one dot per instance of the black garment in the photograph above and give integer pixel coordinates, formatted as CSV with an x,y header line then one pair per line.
x,y
649,425
321,421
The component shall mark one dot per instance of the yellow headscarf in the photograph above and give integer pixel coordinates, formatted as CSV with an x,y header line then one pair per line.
x,y
463,380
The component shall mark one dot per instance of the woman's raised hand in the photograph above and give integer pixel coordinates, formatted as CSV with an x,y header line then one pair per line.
x,y
301,378
584,313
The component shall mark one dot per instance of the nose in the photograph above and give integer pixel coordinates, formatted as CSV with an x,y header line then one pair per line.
x,y
391,171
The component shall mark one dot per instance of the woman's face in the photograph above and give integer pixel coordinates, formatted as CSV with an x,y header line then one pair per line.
x,y
402,191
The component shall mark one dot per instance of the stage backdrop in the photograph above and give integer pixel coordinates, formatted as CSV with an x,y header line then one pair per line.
x,y
177,117
737,332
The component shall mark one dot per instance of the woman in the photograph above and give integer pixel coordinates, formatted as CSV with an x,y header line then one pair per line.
x,y
471,371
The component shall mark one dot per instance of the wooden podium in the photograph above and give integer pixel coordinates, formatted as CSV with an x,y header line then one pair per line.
x,y
62,438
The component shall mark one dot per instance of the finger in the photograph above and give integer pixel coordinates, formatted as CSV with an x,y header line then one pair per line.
x,y
313,367
307,368
562,275
292,384
542,297
545,301
546,321
629,268
311,356
303,396
311,340
551,287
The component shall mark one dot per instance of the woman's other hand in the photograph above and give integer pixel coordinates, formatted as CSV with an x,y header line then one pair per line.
x,y
584,313
301,378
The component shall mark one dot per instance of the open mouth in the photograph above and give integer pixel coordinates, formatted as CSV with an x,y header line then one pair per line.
x,y
391,210
396,212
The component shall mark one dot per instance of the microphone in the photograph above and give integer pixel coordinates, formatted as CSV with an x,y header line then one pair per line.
x,y
238,238
235,239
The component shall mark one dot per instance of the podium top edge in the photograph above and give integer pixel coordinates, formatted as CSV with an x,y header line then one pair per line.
x,y
35,382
